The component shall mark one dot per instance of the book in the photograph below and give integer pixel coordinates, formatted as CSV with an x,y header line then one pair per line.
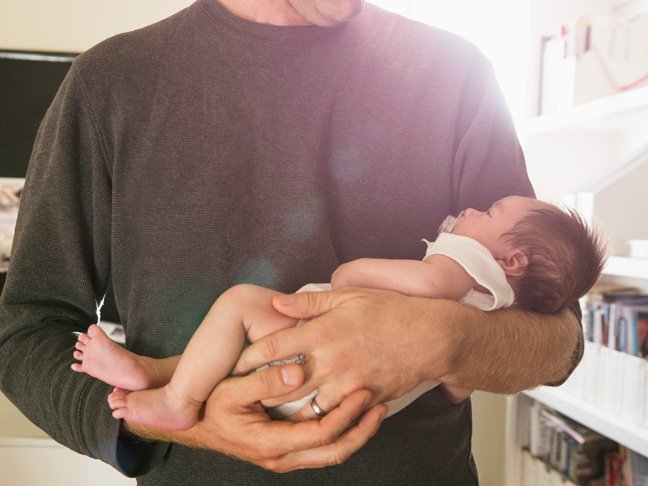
x,y
632,322
634,468
575,451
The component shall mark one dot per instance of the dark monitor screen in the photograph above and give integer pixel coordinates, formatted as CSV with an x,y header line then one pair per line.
x,y
28,83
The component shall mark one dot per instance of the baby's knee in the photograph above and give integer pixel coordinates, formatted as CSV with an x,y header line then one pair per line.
x,y
241,293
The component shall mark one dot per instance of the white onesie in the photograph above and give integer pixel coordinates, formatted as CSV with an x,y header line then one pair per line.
x,y
478,262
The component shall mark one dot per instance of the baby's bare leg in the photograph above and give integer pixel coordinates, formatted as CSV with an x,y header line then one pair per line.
x,y
107,361
212,352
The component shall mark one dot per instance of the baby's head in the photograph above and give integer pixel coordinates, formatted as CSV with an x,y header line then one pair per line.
x,y
550,256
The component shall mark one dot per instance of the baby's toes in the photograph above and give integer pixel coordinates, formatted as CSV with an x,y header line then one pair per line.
x,y
93,331
120,413
117,400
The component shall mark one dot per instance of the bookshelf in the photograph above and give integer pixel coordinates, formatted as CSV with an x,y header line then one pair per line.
x,y
579,147
598,147
606,420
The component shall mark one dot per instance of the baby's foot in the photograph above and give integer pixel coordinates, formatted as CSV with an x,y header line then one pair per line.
x,y
109,362
159,408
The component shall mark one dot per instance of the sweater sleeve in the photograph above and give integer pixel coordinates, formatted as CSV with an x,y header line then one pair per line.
x,y
58,274
489,163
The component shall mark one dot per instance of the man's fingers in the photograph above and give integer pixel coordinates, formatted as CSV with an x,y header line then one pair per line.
x,y
327,397
336,452
291,342
305,304
318,433
274,347
272,382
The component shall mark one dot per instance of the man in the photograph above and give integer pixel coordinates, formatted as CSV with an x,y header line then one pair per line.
x,y
268,142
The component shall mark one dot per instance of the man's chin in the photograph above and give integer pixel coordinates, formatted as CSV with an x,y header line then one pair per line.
x,y
330,16
352,10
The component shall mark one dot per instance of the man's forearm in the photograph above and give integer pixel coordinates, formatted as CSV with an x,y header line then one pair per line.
x,y
511,350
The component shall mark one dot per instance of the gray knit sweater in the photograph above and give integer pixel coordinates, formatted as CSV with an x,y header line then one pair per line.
x,y
206,150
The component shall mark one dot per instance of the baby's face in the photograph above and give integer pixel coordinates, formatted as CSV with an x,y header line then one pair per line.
x,y
488,226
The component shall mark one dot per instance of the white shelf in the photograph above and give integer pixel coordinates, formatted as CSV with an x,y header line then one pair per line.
x,y
626,267
628,433
616,112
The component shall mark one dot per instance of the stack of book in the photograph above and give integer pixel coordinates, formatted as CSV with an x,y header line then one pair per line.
x,y
561,451
617,317
569,448
613,374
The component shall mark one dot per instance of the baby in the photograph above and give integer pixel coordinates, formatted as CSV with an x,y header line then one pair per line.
x,y
520,251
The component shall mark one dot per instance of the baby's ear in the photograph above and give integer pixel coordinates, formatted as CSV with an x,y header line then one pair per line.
x,y
514,263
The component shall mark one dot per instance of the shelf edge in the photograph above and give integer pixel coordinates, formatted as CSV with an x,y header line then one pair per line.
x,y
594,110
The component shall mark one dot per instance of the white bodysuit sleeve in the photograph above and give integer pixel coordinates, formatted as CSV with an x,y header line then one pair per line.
x,y
480,264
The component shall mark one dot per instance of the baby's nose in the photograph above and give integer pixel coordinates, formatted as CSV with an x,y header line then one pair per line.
x,y
470,212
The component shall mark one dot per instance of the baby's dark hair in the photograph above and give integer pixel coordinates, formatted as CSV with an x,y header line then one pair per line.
x,y
565,258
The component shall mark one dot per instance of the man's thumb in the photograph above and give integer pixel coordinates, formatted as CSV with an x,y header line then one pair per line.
x,y
272,382
304,304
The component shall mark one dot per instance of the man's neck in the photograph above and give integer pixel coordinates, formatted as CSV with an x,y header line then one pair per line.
x,y
271,12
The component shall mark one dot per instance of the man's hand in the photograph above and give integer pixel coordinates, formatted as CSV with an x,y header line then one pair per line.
x,y
362,339
388,343
235,423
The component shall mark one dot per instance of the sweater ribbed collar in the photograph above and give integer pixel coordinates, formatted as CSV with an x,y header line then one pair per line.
x,y
284,34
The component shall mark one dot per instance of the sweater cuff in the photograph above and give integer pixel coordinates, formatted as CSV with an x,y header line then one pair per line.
x,y
136,456
108,439
577,354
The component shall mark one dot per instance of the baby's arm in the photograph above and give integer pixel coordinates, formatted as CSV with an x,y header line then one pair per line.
x,y
438,276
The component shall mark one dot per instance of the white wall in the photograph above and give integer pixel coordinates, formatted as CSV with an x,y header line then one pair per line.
x,y
75,25
29,458
14,424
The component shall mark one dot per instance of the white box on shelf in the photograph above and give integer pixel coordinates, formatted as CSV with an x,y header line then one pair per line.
x,y
605,390
633,388
576,383
592,361
638,248
573,81
644,408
